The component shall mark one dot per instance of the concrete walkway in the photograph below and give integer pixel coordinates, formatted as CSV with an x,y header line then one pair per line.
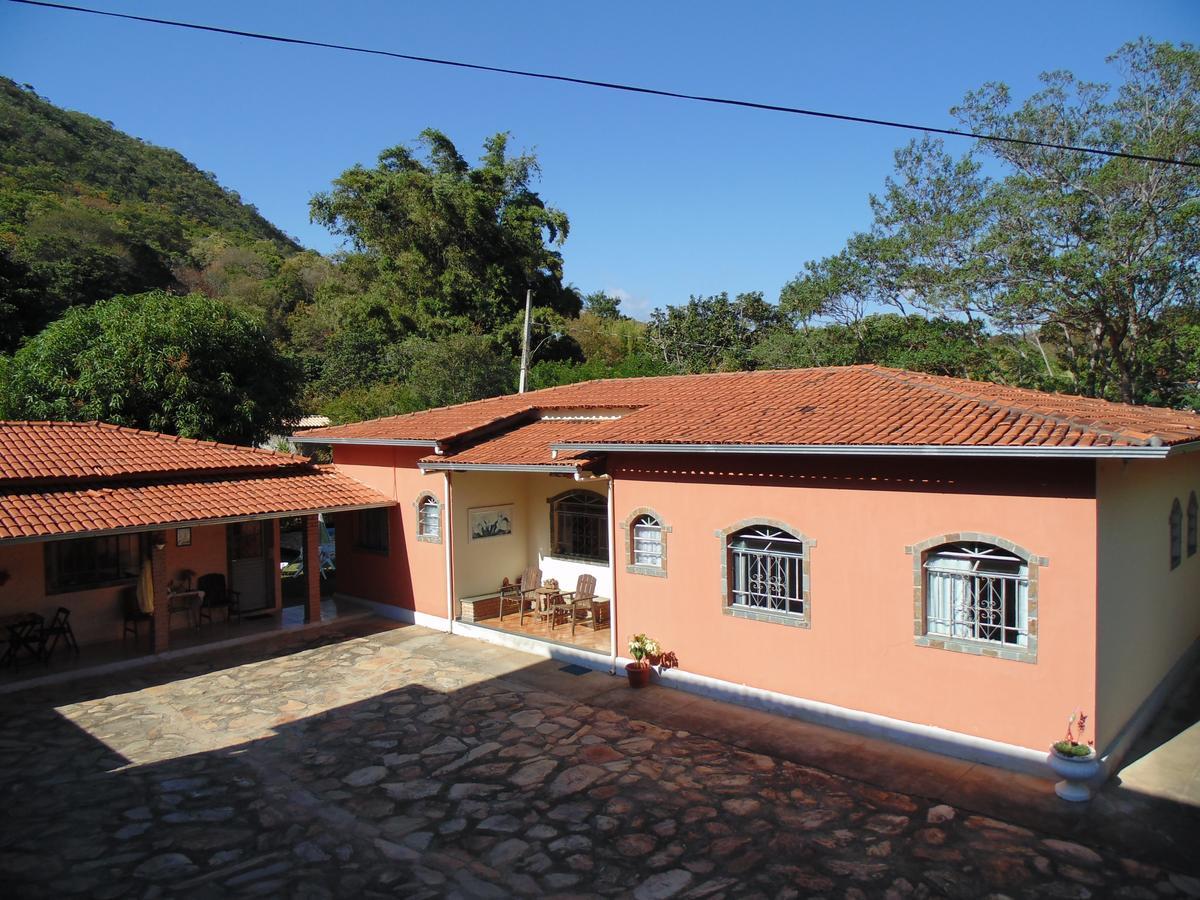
x,y
366,759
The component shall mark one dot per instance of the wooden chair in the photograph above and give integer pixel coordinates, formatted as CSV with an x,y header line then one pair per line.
x,y
582,599
59,628
134,617
527,600
218,596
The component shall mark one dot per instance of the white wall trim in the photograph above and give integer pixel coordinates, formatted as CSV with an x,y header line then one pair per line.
x,y
1114,754
559,652
908,734
399,613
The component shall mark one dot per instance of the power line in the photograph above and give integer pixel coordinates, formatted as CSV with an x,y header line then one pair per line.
x,y
614,86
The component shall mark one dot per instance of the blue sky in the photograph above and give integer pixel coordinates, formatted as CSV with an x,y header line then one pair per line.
x,y
666,198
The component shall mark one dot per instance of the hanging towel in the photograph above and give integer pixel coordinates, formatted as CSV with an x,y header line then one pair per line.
x,y
145,588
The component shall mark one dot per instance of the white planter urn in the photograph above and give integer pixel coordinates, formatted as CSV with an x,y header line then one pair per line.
x,y
1077,773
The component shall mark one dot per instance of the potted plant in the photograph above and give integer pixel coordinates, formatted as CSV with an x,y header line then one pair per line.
x,y
641,648
1075,761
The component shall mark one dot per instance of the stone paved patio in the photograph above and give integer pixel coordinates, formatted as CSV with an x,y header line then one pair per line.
x,y
367,760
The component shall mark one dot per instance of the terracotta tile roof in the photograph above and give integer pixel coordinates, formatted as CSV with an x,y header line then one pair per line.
x,y
525,445
28,513
57,451
59,478
835,407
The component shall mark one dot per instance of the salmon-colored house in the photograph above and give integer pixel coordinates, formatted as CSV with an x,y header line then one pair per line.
x,y
953,564
84,507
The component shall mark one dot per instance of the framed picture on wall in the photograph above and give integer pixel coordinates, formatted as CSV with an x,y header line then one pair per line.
x,y
183,537
490,521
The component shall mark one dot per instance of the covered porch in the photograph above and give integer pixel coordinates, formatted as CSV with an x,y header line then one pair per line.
x,y
530,555
200,583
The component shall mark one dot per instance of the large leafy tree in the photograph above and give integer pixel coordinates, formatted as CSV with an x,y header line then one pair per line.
x,y
459,243
1090,259
187,365
711,333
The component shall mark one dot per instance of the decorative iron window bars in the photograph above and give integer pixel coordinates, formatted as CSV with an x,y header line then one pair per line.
x,y
647,542
767,567
429,517
977,592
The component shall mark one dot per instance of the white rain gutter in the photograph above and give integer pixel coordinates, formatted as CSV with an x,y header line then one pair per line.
x,y
370,442
1146,452
448,537
497,467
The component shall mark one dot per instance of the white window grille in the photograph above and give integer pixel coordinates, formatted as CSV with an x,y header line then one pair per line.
x,y
767,566
647,542
977,592
429,517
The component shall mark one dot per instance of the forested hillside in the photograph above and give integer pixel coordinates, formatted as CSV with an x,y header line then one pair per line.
x,y
1018,264
87,212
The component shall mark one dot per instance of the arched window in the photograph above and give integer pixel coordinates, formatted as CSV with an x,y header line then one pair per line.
x,y
429,518
766,571
1176,533
1193,512
579,526
647,542
977,592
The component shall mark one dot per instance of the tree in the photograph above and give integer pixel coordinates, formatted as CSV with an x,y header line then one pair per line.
x,y
1085,257
711,333
461,244
187,365
938,345
603,305
456,369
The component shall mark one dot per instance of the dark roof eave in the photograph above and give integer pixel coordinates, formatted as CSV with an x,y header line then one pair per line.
x,y
967,450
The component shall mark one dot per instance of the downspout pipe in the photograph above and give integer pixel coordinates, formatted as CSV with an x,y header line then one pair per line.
x,y
449,539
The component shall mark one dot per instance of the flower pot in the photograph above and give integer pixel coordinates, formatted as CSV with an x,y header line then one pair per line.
x,y
1077,773
638,674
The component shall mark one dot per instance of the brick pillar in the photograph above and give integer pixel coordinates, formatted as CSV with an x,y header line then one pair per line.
x,y
160,625
312,569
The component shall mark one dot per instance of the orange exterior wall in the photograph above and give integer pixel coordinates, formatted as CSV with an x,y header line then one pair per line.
x,y
412,575
859,651
97,616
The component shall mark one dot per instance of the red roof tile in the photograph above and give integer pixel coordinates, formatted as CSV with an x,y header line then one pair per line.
x,y
847,406
525,445
60,478
28,513
56,451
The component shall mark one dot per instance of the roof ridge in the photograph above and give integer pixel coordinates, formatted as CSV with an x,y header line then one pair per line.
x,y
1136,437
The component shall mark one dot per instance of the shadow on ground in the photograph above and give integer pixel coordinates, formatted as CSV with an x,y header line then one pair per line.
x,y
366,760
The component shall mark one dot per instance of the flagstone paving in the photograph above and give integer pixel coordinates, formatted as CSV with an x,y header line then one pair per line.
x,y
364,761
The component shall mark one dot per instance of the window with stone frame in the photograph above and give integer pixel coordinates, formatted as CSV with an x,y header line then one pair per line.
x,y
1175,533
1193,511
429,518
646,542
579,526
977,592
766,572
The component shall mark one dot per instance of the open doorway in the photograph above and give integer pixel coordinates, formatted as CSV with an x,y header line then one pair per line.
x,y
293,561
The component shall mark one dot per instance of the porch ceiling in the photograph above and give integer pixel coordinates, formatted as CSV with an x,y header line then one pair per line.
x,y
27,514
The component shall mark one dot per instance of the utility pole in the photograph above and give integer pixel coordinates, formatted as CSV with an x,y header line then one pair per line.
x,y
525,340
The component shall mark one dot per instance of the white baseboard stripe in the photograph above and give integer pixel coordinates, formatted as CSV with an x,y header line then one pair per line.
x,y
1114,754
399,613
908,734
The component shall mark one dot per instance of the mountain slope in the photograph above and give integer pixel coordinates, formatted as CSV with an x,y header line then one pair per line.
x,y
87,212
